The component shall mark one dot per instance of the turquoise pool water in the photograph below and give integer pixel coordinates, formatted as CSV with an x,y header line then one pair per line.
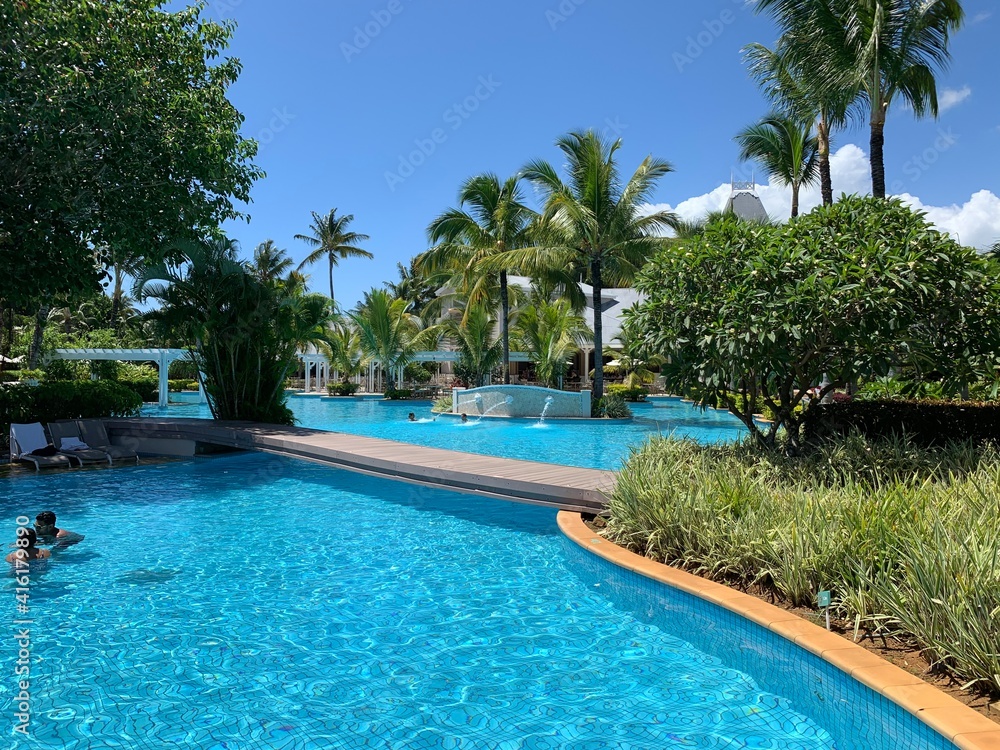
x,y
591,444
251,601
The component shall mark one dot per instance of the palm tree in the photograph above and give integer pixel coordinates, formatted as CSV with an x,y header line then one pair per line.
x,y
552,333
271,263
593,224
492,219
786,148
799,91
890,47
478,351
124,262
388,333
332,240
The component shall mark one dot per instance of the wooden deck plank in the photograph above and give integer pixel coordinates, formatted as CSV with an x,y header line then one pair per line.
x,y
566,487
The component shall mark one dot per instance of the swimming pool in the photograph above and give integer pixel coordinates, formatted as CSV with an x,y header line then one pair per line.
x,y
252,601
593,444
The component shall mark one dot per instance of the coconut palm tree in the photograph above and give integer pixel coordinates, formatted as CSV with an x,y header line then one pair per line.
x,y
491,219
786,148
890,47
801,92
270,262
332,239
552,333
592,223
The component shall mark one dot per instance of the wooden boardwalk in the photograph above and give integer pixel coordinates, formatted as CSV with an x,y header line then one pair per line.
x,y
564,487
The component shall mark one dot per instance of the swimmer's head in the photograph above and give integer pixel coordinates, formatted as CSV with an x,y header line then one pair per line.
x,y
45,522
465,417
412,417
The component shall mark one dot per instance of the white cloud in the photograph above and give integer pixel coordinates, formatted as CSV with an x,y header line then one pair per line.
x,y
953,97
981,16
975,222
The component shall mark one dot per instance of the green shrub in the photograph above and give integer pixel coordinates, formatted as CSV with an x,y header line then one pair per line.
x,y
925,422
906,538
70,399
612,406
400,394
342,389
10,376
27,375
147,388
65,369
628,394
443,405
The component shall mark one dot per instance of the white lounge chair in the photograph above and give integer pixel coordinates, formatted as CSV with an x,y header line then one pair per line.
x,y
96,436
25,438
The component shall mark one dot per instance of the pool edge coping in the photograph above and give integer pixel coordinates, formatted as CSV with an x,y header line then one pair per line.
x,y
961,725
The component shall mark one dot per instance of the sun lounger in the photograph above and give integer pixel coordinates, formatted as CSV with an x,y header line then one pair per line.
x,y
66,438
95,435
25,438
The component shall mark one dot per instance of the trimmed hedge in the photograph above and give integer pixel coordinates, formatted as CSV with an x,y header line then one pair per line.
x,y
393,394
65,399
926,423
629,394
147,388
342,389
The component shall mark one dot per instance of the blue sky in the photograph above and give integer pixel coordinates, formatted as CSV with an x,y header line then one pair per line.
x,y
381,108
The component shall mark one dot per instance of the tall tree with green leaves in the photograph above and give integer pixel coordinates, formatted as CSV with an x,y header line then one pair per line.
x,y
332,239
491,219
115,132
786,148
593,223
892,48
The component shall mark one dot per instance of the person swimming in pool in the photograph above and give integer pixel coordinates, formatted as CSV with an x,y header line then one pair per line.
x,y
45,526
412,417
465,417
26,549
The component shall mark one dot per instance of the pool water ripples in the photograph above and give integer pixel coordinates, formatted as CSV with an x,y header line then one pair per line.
x,y
252,601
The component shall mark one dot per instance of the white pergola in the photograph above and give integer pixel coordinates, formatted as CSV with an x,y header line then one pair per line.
x,y
161,357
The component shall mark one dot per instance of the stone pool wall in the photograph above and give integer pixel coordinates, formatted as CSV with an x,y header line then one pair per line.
x,y
528,401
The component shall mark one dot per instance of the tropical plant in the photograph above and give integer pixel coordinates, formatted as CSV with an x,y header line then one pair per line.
x,y
551,332
479,353
492,218
890,48
243,328
332,240
905,538
593,225
343,347
418,288
271,263
387,331
801,89
786,148
750,312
